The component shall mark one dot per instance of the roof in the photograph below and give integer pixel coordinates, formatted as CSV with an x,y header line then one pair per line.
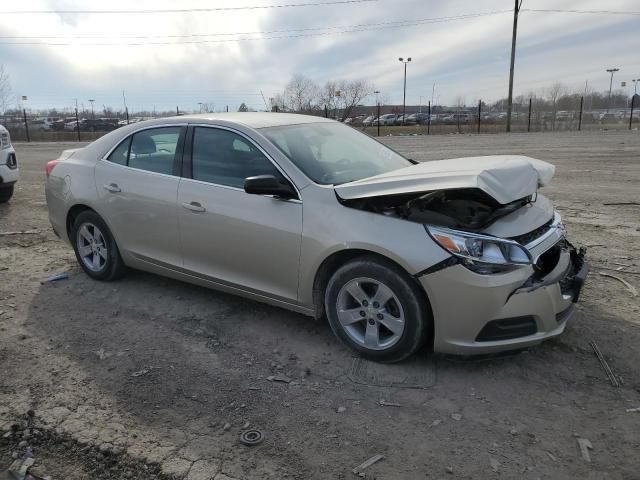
x,y
254,119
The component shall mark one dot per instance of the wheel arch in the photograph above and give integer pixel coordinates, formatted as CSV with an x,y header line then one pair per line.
x,y
73,213
334,261
76,210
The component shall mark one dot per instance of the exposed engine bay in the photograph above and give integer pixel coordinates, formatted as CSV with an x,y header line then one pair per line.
x,y
468,208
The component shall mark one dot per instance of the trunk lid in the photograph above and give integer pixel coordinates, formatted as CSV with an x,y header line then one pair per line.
x,y
66,154
505,178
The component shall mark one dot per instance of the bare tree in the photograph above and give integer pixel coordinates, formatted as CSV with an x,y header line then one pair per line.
x,y
327,95
243,107
5,89
278,102
554,92
352,93
301,93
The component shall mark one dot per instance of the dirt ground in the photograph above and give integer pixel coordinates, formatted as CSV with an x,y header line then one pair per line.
x,y
152,378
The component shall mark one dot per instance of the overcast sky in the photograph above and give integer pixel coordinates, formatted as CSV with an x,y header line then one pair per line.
x,y
466,57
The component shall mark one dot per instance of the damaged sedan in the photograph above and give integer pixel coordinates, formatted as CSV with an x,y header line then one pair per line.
x,y
464,255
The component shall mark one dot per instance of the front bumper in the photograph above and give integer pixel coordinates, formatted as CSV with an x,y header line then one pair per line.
x,y
477,314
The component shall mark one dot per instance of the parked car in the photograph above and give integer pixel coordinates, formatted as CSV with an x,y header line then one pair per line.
x,y
60,123
388,119
478,265
409,120
420,118
43,124
563,115
98,124
455,118
71,125
367,122
8,166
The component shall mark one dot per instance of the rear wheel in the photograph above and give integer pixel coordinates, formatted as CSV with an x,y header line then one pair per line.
x,y
376,309
6,193
95,247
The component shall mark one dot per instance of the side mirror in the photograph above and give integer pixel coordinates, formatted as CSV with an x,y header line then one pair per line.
x,y
269,185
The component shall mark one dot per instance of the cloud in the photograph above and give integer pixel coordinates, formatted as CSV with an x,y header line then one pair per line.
x,y
466,57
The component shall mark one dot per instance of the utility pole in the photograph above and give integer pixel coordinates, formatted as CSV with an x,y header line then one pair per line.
x,y
611,71
516,10
126,109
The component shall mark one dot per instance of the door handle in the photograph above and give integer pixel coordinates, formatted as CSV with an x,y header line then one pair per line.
x,y
112,187
194,207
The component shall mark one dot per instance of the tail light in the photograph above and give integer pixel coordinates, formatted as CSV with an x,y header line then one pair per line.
x,y
50,166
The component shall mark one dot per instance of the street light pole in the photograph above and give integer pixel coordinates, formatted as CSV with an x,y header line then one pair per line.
x,y
404,95
378,111
91,100
611,71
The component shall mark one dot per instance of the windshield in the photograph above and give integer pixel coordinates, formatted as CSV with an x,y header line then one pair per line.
x,y
332,153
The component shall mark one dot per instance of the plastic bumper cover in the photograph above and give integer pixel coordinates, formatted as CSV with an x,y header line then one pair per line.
x,y
464,303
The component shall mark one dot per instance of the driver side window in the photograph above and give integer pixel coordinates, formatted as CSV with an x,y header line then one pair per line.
x,y
226,158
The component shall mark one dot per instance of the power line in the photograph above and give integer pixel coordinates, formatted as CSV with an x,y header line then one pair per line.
x,y
185,10
335,30
596,12
392,24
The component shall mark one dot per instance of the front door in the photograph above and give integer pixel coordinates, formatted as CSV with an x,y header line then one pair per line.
x,y
137,188
239,239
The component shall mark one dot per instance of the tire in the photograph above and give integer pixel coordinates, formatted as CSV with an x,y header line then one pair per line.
x,y
101,259
405,310
6,193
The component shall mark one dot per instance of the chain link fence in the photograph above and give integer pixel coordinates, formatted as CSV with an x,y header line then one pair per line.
x,y
374,120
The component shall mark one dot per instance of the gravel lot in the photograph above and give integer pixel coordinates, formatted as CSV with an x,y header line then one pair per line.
x,y
152,378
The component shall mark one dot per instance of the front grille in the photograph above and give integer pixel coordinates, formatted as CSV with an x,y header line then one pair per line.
x,y
529,237
549,259
12,162
507,329
567,283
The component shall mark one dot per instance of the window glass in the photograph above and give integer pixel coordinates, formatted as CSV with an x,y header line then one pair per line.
x,y
154,150
333,153
225,158
119,155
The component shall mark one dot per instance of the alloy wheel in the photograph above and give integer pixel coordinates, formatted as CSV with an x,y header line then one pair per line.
x,y
92,247
370,313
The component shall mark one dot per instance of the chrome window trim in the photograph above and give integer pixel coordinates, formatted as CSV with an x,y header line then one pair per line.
x,y
555,225
255,144
109,162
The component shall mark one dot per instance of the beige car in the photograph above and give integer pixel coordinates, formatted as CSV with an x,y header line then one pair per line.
x,y
463,255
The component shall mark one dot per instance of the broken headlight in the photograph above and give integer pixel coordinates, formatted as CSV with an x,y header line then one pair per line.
x,y
481,253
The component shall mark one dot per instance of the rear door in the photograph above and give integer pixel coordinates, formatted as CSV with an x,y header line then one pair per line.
x,y
137,187
236,238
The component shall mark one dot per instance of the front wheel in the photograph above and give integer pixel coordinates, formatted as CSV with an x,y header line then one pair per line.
x,y
6,193
377,310
95,247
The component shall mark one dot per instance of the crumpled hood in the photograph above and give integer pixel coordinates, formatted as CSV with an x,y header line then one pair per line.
x,y
506,178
